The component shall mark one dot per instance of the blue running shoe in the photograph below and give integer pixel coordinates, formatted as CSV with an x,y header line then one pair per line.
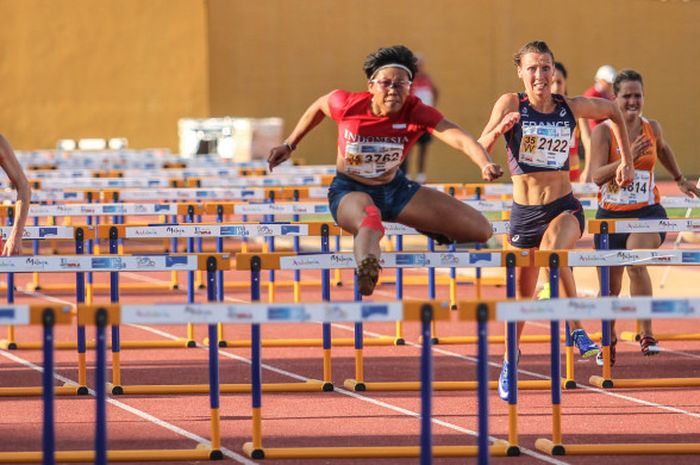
x,y
503,388
584,344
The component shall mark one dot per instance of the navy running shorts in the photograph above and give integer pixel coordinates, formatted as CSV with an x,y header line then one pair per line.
x,y
618,241
390,198
529,222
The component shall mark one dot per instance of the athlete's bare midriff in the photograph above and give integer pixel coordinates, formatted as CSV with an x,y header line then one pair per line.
x,y
385,178
541,187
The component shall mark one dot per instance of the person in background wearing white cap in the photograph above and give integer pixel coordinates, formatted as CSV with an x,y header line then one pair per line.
x,y
602,88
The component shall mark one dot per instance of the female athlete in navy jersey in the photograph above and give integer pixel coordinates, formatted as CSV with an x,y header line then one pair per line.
x,y
538,127
376,129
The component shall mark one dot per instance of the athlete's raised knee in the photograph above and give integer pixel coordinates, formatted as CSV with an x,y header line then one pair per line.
x,y
480,231
373,220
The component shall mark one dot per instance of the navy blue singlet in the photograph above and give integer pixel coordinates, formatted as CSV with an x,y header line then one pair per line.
x,y
540,141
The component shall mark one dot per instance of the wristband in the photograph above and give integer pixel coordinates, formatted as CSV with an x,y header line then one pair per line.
x,y
291,147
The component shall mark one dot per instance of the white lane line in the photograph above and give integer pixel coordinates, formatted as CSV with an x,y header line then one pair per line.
x,y
39,295
139,413
145,278
544,377
146,416
386,405
526,451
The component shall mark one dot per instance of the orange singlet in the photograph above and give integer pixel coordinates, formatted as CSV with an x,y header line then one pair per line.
x,y
642,191
574,160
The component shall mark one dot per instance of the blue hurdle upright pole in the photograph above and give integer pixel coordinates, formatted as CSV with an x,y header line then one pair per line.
x,y
399,341
514,358
426,388
255,363
114,298
607,324
189,218
80,294
101,319
359,343
214,388
482,377
49,433
555,359
431,295
220,274
326,296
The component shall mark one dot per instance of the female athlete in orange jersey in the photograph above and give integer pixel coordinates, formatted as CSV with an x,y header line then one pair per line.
x,y
641,198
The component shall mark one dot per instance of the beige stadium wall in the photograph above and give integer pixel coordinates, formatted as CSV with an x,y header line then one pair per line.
x,y
84,68
105,68
274,57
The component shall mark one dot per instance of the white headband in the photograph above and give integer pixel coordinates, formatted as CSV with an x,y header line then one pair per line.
x,y
393,65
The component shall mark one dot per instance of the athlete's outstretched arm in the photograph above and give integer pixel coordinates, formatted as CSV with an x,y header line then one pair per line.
x,y
602,172
585,131
457,138
309,120
9,163
598,108
503,117
668,159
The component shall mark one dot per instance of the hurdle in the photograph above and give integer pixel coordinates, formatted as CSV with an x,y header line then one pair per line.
x,y
47,316
270,207
675,225
101,316
80,264
220,231
211,263
606,258
37,233
424,312
484,258
604,308
93,211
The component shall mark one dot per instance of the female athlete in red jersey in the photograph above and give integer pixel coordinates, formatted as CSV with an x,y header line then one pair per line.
x,y
641,199
376,129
